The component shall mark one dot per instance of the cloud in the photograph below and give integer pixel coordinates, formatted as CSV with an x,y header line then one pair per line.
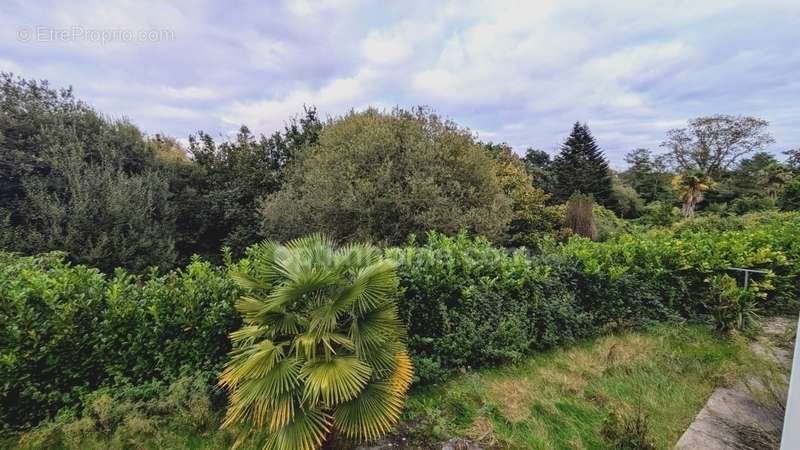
x,y
520,72
9,66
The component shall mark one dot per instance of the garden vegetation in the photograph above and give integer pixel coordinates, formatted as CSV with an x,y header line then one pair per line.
x,y
145,286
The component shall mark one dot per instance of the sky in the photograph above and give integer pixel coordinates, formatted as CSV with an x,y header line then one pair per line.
x,y
515,72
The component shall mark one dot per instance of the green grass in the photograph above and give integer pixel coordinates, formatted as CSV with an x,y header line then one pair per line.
x,y
563,398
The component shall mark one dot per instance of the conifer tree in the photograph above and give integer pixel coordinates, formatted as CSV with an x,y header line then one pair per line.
x,y
581,167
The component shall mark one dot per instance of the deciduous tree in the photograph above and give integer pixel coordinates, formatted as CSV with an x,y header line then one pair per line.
x,y
713,144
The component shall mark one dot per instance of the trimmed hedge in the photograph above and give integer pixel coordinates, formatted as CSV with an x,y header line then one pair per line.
x,y
67,330
676,263
468,304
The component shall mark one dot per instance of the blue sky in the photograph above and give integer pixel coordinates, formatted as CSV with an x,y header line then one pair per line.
x,y
515,72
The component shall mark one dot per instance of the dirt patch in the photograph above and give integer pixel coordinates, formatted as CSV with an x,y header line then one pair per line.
x,y
514,397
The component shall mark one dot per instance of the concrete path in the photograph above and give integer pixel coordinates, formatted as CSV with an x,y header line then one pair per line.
x,y
733,418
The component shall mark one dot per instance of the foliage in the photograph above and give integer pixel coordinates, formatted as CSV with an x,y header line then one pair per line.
x,y
118,419
647,175
712,144
759,175
103,217
789,199
673,265
468,304
321,347
77,182
68,330
231,178
690,188
581,167
608,224
793,159
580,217
624,200
751,204
381,176
540,167
733,307
660,213
531,219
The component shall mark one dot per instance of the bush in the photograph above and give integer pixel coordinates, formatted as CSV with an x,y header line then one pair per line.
x,y
375,176
120,419
672,265
68,330
467,304
660,213
751,203
789,198
733,307
75,181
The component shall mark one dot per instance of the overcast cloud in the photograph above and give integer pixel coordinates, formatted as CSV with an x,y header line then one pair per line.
x,y
515,72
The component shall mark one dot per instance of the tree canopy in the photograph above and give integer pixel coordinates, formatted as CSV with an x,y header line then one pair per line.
x,y
581,167
713,144
382,176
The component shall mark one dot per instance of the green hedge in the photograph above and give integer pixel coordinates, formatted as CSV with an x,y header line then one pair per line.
x,y
675,263
468,304
66,330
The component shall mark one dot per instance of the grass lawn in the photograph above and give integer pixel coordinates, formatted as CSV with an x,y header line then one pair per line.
x,y
576,398
581,397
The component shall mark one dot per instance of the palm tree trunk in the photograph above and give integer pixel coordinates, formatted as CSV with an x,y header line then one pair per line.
x,y
688,207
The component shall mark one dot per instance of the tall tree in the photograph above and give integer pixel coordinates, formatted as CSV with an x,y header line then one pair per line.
x,y
540,167
581,167
234,176
531,218
793,159
760,175
713,144
381,176
72,180
647,174
690,188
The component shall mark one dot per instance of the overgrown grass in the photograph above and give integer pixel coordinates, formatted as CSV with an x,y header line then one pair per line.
x,y
633,390
624,391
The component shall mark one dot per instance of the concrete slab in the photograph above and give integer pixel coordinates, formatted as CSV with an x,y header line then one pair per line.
x,y
732,413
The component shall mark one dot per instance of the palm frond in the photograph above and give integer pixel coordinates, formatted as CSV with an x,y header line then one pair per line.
x,y
371,414
335,380
245,281
322,345
306,431
379,281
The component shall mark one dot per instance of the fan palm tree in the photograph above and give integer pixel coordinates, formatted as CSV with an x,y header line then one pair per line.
x,y
321,350
690,188
774,180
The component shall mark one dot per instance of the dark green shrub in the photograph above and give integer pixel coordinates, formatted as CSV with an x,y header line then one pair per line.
x,y
789,198
68,329
467,304
751,203
47,348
